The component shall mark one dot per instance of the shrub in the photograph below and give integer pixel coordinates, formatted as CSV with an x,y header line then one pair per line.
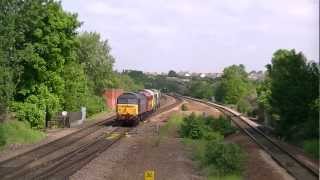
x,y
36,108
184,107
213,136
94,104
312,147
196,127
226,158
192,127
30,113
222,125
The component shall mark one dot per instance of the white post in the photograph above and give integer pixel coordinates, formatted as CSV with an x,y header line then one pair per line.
x,y
83,113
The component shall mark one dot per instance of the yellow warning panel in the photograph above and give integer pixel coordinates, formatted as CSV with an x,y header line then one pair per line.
x,y
149,175
112,136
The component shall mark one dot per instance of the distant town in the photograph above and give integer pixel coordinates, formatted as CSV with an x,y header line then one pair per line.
x,y
253,75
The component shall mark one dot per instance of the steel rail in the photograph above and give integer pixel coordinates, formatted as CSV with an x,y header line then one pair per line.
x,y
288,161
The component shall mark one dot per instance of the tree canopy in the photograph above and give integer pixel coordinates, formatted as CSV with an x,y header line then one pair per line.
x,y
234,85
294,96
45,66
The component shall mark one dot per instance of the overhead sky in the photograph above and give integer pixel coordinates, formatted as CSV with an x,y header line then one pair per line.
x,y
200,35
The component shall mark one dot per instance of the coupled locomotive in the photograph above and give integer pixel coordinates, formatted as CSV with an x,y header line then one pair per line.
x,y
133,107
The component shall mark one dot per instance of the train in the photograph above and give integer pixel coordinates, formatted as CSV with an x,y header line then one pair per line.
x,y
133,107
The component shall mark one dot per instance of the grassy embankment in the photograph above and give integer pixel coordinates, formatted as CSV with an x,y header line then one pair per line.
x,y
311,147
18,132
204,137
99,115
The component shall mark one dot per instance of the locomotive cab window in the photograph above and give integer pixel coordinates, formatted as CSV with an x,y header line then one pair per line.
x,y
127,101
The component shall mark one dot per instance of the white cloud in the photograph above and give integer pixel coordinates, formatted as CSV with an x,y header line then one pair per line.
x,y
183,30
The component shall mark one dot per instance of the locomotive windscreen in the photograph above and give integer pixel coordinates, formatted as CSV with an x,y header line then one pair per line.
x,y
127,101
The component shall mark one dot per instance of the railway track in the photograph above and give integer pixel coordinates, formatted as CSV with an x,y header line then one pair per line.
x,y
63,157
288,161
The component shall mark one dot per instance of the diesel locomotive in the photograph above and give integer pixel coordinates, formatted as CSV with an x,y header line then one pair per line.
x,y
133,107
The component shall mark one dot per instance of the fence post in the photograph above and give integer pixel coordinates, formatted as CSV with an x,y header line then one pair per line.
x,y
83,113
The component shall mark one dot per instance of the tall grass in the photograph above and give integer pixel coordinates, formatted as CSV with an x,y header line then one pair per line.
x,y
312,147
18,132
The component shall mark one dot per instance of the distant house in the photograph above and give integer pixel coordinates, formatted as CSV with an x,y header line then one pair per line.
x,y
254,75
213,75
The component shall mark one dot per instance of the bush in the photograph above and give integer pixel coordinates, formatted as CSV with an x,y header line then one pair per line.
x,y
184,107
36,108
213,136
94,104
226,158
312,147
222,125
30,113
196,127
215,157
192,127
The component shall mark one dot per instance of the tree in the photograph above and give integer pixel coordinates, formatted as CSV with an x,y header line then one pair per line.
x,y
37,39
172,73
94,55
294,94
233,86
76,87
125,82
201,89
7,55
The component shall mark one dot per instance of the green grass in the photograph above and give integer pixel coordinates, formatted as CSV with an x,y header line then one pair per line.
x,y
17,132
198,155
312,147
198,148
94,116
169,129
228,177
172,125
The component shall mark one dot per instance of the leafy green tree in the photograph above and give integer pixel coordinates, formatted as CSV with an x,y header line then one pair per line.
x,y
6,90
294,94
201,89
37,38
233,86
76,87
172,73
125,82
7,53
94,55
